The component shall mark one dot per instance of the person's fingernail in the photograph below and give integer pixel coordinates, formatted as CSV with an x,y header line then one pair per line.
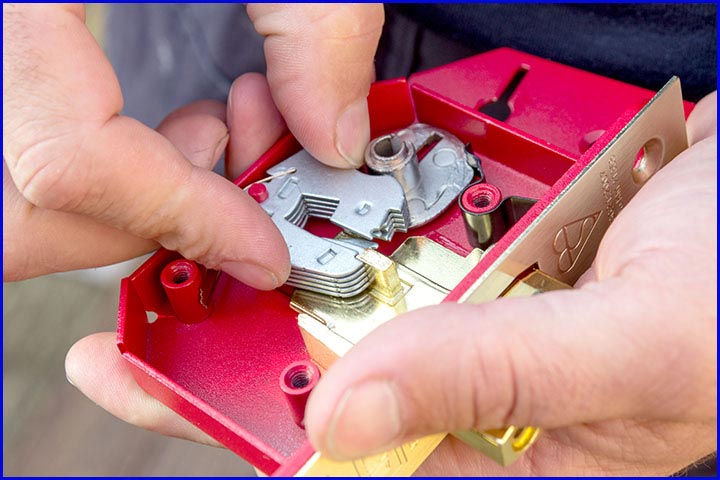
x,y
67,377
220,148
229,106
352,133
253,275
366,421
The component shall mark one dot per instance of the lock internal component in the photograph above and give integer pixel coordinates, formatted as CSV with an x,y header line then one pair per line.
x,y
365,206
430,164
406,193
488,216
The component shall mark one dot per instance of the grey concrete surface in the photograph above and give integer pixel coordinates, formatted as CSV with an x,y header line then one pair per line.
x,y
49,427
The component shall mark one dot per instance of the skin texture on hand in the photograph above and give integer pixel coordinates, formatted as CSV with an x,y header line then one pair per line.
x,y
85,186
320,60
94,363
77,173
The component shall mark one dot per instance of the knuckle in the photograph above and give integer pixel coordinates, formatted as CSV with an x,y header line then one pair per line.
x,y
505,361
520,393
190,240
192,244
47,173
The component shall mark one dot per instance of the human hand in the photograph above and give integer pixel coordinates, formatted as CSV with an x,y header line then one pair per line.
x,y
319,70
587,394
625,367
74,168
619,372
84,186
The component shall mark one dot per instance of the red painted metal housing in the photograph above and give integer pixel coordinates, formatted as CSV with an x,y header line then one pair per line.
x,y
222,372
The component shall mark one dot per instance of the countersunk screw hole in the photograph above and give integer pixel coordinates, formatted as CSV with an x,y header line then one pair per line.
x,y
300,379
481,201
180,277
648,160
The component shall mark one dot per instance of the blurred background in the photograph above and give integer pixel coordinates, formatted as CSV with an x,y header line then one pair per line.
x,y
49,427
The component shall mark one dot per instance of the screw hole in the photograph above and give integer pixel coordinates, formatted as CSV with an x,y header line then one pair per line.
x,y
151,316
480,198
481,201
298,377
180,272
180,277
648,160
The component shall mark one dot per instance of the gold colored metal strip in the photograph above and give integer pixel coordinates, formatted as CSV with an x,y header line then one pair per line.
x,y
399,462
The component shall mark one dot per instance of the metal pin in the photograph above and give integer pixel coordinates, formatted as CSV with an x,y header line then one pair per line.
x,y
289,171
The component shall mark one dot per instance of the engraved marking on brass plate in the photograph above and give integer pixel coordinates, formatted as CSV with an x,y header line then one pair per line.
x,y
571,239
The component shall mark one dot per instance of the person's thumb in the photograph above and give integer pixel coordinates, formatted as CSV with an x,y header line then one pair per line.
x,y
550,360
319,67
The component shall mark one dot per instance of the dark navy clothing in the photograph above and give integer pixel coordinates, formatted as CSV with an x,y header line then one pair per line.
x,y
167,55
642,44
